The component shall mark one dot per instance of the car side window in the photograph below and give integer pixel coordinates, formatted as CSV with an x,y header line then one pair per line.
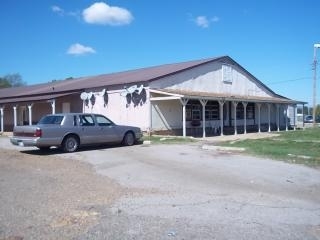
x,y
103,121
86,120
51,120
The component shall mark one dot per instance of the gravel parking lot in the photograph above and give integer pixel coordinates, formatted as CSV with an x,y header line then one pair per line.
x,y
154,192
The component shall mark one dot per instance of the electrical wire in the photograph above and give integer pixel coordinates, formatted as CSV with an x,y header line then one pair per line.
x,y
289,80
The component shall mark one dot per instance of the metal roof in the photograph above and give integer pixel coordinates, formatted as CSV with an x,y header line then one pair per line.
x,y
228,97
143,75
35,98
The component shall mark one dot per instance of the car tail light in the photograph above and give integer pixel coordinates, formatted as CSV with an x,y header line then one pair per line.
x,y
38,133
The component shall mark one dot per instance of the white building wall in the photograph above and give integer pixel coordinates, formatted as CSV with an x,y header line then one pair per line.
x,y
166,115
119,111
208,78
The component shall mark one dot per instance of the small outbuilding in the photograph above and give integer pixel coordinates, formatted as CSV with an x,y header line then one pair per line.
x,y
204,97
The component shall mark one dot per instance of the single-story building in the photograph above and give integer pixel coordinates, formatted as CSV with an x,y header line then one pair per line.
x,y
200,98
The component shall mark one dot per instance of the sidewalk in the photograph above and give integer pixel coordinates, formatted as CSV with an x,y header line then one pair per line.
x,y
241,136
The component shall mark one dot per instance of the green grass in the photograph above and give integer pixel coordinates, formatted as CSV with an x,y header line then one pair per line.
x,y
301,146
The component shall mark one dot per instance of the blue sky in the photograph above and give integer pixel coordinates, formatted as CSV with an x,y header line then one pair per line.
x,y
43,40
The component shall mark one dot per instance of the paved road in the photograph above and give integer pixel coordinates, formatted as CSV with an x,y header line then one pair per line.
x,y
198,194
186,192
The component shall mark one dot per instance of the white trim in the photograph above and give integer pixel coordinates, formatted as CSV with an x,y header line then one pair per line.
x,y
184,102
259,116
165,93
245,104
164,98
15,115
1,113
30,113
203,103
221,103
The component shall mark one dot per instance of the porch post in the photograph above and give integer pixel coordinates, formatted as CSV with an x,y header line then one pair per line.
x,y
30,113
150,117
203,103
303,115
53,106
221,103
286,115
269,117
278,116
14,115
245,116
294,117
235,116
1,113
259,116
184,103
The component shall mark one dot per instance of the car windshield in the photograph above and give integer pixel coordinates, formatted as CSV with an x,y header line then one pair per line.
x,y
51,120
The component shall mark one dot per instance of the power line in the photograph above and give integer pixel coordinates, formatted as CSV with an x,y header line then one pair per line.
x,y
289,80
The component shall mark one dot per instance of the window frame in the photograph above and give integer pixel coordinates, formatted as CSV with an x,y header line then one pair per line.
x,y
194,111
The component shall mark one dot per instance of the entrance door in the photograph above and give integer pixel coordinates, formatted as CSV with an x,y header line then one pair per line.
x,y
22,116
66,107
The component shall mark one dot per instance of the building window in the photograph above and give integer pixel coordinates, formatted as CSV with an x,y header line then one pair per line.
x,y
249,109
194,110
227,74
212,110
240,111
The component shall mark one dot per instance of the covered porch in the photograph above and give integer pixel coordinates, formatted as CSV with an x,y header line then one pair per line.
x,y
28,110
203,114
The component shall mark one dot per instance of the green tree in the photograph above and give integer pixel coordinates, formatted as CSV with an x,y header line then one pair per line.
x,y
11,80
4,83
318,110
305,110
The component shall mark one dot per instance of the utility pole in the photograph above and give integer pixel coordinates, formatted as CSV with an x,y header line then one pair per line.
x,y
315,46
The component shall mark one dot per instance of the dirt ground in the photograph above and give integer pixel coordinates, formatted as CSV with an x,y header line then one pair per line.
x,y
154,192
48,197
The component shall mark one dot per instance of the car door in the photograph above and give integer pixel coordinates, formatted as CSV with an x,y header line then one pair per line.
x,y
107,129
90,131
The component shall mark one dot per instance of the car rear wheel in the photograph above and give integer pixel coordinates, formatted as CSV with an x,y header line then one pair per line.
x,y
128,139
70,144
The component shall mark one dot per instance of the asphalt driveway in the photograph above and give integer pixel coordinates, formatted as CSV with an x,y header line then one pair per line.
x,y
184,192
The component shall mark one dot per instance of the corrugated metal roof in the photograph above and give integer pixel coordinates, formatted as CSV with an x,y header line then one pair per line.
x,y
142,75
35,98
131,76
209,95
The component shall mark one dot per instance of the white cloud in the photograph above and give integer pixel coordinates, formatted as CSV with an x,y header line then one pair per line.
x,y
57,9
78,49
215,19
60,11
204,22
102,13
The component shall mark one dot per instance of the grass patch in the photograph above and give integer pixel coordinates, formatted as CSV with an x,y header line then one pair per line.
x,y
168,139
301,146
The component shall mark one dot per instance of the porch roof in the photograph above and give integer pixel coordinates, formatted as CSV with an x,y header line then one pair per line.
x,y
35,98
216,96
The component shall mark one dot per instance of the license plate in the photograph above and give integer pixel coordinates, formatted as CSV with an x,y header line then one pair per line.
x,y
21,144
